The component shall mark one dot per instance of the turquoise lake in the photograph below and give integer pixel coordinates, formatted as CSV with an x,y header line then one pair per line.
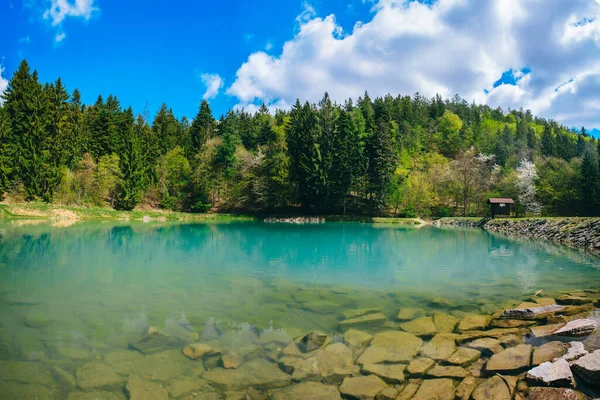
x,y
75,293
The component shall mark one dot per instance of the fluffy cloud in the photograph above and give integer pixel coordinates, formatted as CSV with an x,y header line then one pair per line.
x,y
448,47
61,9
3,83
213,83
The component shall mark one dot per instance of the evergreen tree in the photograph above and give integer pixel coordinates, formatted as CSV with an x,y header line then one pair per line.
x,y
548,145
131,162
590,183
202,129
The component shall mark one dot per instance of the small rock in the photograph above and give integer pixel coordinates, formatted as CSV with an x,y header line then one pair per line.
x,y
464,356
305,391
357,338
466,387
407,314
386,394
436,389
390,373
548,352
494,388
447,372
556,374
472,323
408,392
419,366
154,343
543,393
444,323
391,347
486,346
588,367
440,347
232,359
141,389
364,321
362,387
511,360
420,327
196,351
312,341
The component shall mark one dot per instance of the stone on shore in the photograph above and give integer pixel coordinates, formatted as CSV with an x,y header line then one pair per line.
x,y
556,374
543,393
257,373
444,323
357,338
335,362
364,321
548,352
419,366
305,391
440,347
390,373
464,356
448,372
512,360
495,388
420,327
312,341
407,314
435,389
575,351
391,347
141,389
472,323
577,328
362,387
588,368
98,376
529,313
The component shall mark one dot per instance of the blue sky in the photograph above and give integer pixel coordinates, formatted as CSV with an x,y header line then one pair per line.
x,y
537,54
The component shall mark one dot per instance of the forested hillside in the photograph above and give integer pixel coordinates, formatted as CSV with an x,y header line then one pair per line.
x,y
404,155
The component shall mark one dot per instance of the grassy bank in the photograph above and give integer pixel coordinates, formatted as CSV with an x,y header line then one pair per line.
x,y
62,212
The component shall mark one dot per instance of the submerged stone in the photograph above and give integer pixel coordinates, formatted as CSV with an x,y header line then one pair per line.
x,y
391,347
464,356
196,351
548,352
437,389
364,321
389,393
406,314
444,323
543,393
25,372
420,327
98,376
335,362
358,338
141,389
511,360
573,300
96,395
494,388
305,391
258,373
490,333
408,392
312,341
447,372
472,323
390,373
555,373
440,347
419,366
362,387
16,390
466,387
154,343
185,385
349,314
486,346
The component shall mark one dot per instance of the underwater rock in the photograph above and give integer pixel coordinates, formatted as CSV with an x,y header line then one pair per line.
x,y
544,393
495,388
444,323
335,362
439,389
349,314
511,323
571,300
257,373
549,373
185,385
232,359
419,366
96,395
466,387
25,372
389,393
486,346
312,341
307,390
448,372
440,347
65,378
406,314
36,319
196,351
496,333
464,356
299,368
390,373
16,390
409,391
588,368
420,327
141,389
154,343
355,337
211,331
95,375
364,321
472,323
511,360
548,352
530,313
362,387
391,347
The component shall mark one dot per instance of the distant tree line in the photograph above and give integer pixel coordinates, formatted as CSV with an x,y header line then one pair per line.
x,y
404,155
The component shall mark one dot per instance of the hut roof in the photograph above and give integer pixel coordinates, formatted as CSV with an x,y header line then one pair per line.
x,y
501,200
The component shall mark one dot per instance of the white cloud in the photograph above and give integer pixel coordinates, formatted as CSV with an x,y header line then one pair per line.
x,y
61,9
3,83
25,39
60,37
452,46
268,45
213,83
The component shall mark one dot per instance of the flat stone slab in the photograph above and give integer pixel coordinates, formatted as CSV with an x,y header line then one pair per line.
x,y
306,390
423,326
419,366
588,368
543,393
407,314
408,392
472,323
362,387
391,347
257,373
364,321
575,351
98,376
444,323
335,362
141,389
464,356
155,342
448,372
573,300
494,388
355,337
486,346
548,352
556,374
437,389
349,314
196,351
576,328
490,333
529,313
511,360
440,347
390,373
466,387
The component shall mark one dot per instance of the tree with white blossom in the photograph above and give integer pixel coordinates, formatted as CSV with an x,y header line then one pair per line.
x,y
526,174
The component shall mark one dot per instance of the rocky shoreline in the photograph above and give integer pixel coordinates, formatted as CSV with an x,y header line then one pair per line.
x,y
583,233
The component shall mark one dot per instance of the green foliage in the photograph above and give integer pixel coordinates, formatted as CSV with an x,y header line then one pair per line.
x,y
174,175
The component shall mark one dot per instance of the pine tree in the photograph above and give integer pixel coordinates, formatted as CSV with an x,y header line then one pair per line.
x,y
590,183
131,163
548,143
202,129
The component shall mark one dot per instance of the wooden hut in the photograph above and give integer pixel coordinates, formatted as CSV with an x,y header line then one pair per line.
x,y
500,206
